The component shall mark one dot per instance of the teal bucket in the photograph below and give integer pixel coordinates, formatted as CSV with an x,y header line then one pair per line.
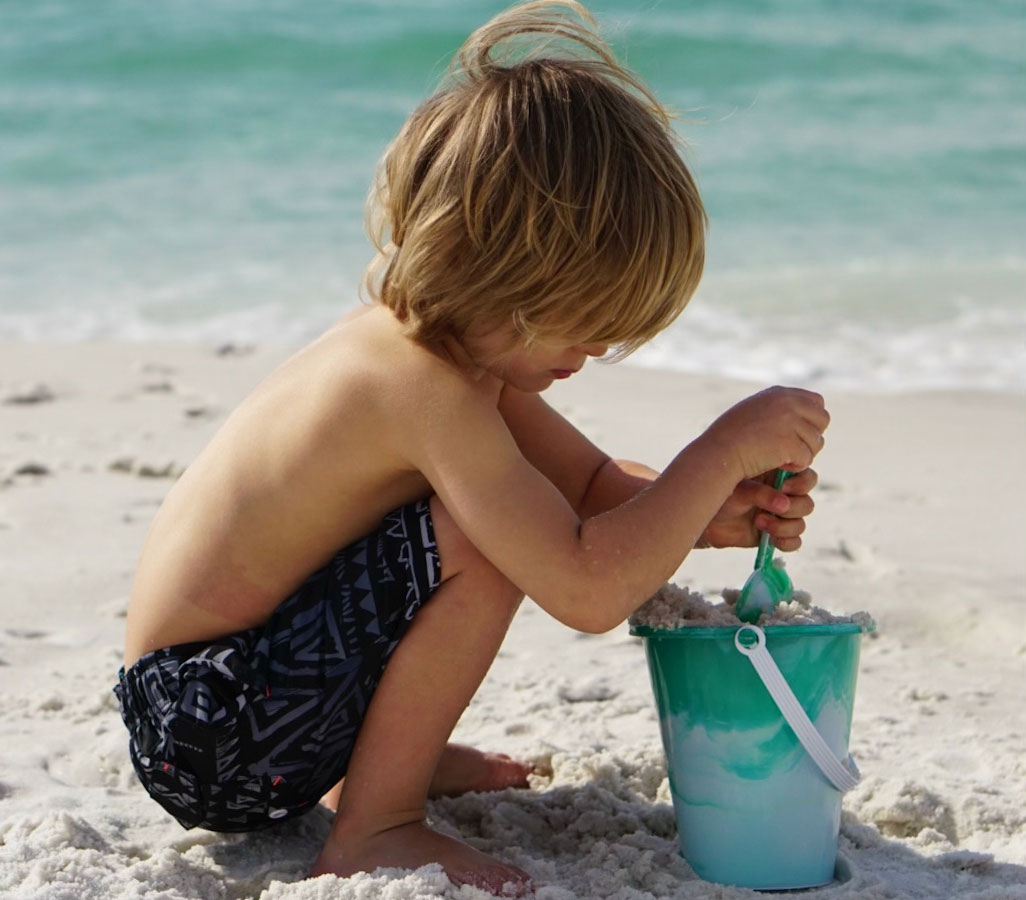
x,y
753,809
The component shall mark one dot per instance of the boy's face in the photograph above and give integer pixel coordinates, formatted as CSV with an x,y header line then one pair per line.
x,y
530,368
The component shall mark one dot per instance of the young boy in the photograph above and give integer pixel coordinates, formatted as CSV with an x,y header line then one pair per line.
x,y
539,214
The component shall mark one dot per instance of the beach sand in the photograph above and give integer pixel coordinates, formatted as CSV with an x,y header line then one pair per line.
x,y
920,521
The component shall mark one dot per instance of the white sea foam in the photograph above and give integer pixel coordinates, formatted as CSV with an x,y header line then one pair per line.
x,y
865,326
809,328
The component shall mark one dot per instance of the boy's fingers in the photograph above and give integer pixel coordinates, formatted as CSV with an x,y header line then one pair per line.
x,y
816,412
801,482
780,528
813,439
763,496
799,507
793,504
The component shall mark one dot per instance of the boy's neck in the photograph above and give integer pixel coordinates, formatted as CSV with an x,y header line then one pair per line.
x,y
453,350
471,357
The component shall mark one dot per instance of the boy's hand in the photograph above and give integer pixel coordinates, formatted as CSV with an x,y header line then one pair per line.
x,y
777,428
755,506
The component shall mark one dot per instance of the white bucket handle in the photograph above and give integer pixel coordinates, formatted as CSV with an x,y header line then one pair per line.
x,y
842,775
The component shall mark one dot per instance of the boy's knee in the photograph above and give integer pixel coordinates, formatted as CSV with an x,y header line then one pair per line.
x,y
459,555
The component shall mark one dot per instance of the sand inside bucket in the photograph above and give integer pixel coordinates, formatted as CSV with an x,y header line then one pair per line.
x,y
674,606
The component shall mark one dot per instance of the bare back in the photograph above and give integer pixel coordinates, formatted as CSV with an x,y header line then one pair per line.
x,y
364,420
307,464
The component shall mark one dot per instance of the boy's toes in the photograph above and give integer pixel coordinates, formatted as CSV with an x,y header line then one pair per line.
x,y
504,881
504,772
464,769
542,768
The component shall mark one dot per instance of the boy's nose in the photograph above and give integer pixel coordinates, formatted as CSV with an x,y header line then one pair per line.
x,y
594,349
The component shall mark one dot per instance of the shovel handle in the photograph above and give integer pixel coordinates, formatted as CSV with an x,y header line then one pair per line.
x,y
764,555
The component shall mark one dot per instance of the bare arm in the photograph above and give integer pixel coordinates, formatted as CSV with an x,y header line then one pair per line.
x,y
615,482
593,483
589,478
556,449
752,507
592,574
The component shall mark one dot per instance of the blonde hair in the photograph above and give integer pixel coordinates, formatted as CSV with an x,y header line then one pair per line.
x,y
544,191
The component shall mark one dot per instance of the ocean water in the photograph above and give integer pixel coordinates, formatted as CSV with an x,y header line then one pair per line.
x,y
198,170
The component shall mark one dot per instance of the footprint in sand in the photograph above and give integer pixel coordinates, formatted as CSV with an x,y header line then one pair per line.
x,y
158,387
31,467
515,728
118,608
154,368
26,634
27,395
130,466
859,554
234,349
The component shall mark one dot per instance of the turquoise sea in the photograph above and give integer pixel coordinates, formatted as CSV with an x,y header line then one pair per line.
x,y
196,169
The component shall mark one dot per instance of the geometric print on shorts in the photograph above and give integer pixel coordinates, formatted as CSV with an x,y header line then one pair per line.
x,y
254,727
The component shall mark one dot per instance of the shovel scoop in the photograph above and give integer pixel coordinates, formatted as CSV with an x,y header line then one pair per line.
x,y
768,585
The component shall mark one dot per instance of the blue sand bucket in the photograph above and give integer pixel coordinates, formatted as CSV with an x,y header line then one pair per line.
x,y
755,724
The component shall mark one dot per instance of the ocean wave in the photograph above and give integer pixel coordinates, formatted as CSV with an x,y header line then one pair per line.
x,y
978,349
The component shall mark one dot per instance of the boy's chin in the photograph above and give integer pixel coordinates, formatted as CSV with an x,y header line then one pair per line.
x,y
526,382
533,384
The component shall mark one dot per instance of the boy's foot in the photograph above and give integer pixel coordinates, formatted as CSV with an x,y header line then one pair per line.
x,y
413,845
462,769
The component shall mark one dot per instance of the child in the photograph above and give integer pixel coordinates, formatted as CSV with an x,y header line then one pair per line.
x,y
539,214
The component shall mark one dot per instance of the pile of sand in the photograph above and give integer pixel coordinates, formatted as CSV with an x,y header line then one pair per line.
x,y
674,606
601,827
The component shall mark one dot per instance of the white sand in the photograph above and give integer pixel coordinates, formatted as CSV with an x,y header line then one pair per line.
x,y
677,606
920,521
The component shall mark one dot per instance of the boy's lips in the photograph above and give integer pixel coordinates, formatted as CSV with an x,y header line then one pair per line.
x,y
563,373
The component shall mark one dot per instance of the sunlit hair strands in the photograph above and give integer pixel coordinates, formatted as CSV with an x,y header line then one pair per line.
x,y
540,187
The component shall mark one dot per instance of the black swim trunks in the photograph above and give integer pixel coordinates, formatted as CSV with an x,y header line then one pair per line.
x,y
237,733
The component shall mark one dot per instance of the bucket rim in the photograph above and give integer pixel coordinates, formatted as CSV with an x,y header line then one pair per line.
x,y
728,631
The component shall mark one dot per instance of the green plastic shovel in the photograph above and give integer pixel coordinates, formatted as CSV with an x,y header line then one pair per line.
x,y
767,585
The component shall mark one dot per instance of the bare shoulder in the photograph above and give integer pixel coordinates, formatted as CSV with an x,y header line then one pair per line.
x,y
365,368
414,390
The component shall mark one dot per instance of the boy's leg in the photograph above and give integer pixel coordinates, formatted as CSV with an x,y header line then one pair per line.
x,y
428,682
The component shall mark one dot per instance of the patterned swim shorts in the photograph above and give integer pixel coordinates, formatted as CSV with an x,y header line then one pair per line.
x,y
248,729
